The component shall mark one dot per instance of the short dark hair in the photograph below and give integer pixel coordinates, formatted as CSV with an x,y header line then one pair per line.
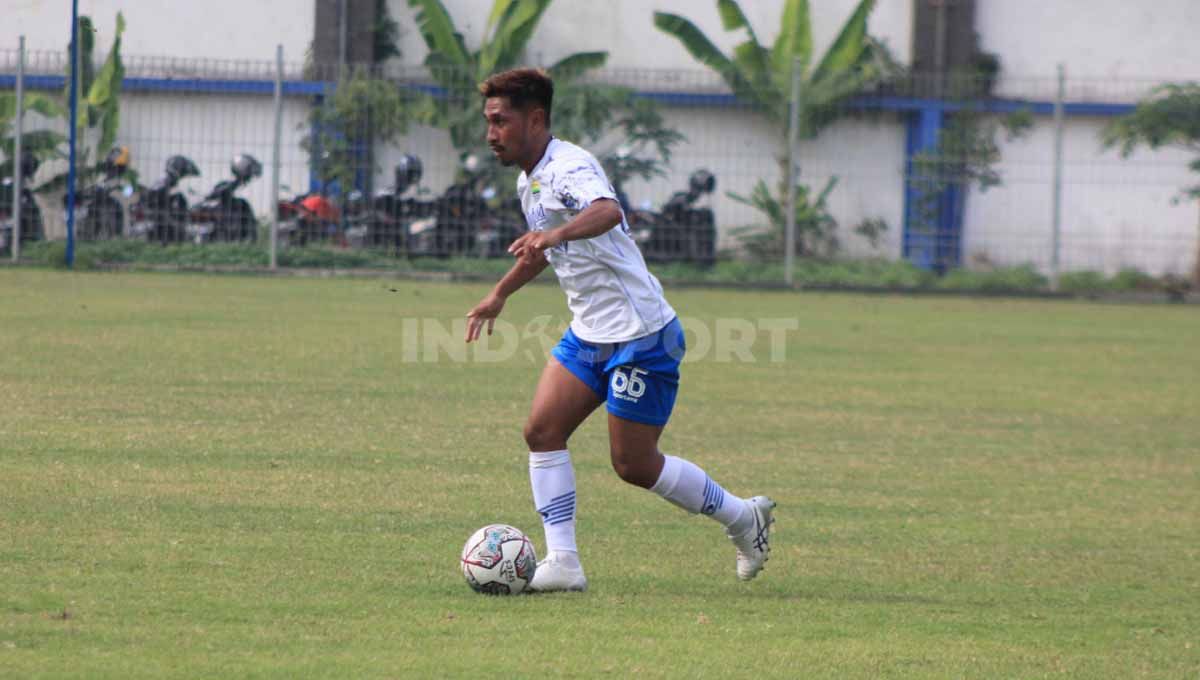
x,y
525,88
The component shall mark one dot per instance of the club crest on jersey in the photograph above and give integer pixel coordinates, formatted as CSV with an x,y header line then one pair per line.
x,y
535,187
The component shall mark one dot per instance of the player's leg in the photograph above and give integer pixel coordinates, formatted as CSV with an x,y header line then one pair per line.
x,y
561,403
637,460
641,395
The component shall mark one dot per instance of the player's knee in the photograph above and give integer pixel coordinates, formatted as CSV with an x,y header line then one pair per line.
x,y
633,471
540,437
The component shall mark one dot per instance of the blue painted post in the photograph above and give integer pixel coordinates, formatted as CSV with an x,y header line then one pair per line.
x,y
921,215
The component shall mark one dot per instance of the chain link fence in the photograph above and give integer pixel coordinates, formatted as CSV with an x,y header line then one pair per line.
x,y
943,173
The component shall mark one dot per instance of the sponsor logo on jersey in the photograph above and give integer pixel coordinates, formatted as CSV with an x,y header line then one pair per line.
x,y
568,201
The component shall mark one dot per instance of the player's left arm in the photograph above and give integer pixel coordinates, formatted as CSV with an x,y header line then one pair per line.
x,y
600,216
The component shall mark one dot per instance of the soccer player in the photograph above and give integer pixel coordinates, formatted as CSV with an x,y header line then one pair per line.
x,y
623,346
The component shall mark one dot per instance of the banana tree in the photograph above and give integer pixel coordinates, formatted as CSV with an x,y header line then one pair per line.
x,y
762,76
458,69
98,90
43,144
99,108
585,114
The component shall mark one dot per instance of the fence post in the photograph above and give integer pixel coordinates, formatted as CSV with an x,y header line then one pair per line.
x,y
1056,241
18,128
789,237
273,204
74,123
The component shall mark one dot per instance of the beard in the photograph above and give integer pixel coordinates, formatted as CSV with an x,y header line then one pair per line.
x,y
505,160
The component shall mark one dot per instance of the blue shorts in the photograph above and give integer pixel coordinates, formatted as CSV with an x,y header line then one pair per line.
x,y
638,379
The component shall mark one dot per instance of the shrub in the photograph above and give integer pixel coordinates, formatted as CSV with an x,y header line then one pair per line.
x,y
1022,279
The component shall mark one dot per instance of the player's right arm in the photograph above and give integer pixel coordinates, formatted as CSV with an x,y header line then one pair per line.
x,y
523,271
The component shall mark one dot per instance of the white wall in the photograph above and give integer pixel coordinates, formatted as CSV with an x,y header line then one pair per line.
x,y
1102,40
210,130
213,29
1115,213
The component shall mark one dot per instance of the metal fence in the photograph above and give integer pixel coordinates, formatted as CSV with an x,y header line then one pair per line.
x,y
922,168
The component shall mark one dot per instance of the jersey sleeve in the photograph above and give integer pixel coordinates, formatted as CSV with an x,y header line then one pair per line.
x,y
576,184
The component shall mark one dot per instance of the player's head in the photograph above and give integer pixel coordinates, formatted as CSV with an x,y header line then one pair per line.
x,y
517,109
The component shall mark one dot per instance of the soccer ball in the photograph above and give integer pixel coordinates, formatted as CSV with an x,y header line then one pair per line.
x,y
498,560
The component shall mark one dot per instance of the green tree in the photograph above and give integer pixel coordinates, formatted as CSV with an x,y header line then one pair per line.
x,y
362,111
762,76
1168,117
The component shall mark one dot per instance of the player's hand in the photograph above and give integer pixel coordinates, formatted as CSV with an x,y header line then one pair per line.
x,y
484,313
530,244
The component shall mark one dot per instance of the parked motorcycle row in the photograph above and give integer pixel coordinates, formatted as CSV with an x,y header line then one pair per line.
x,y
160,213
468,218
471,217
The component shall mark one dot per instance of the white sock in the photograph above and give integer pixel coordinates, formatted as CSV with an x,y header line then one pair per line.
x,y
686,485
553,480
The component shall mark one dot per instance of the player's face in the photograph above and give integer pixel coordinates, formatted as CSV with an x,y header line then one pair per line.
x,y
508,130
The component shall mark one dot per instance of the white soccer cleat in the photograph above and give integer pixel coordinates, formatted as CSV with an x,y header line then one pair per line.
x,y
552,575
753,545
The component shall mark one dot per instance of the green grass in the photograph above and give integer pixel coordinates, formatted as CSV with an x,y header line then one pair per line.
x,y
243,477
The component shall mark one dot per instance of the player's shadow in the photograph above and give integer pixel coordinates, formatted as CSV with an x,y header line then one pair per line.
x,y
847,594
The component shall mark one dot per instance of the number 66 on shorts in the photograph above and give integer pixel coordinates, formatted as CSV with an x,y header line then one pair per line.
x,y
637,379
631,384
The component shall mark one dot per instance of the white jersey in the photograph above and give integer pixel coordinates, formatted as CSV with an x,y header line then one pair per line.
x,y
611,294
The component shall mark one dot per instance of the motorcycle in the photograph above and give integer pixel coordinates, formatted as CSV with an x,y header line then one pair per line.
x,y
161,213
32,228
223,215
386,220
680,230
468,218
97,214
307,218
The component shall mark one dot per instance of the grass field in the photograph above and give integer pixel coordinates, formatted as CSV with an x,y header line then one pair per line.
x,y
248,477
